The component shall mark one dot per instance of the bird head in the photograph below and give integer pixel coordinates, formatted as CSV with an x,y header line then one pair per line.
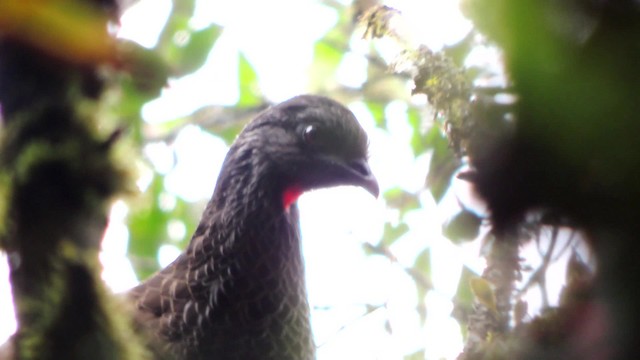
x,y
305,143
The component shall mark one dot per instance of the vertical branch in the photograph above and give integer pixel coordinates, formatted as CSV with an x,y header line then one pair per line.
x,y
490,319
57,178
503,268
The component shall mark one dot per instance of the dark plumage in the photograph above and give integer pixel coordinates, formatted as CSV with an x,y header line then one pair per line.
x,y
238,290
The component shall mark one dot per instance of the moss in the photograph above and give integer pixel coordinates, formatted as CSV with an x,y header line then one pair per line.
x,y
58,176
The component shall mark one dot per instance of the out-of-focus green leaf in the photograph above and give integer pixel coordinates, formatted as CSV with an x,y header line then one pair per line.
x,y
380,249
148,71
421,274
483,292
423,262
402,200
432,137
129,107
463,299
419,142
182,47
248,80
458,52
464,226
189,214
149,222
169,44
326,59
377,111
177,22
442,167
418,355
392,233
147,228
229,134
194,53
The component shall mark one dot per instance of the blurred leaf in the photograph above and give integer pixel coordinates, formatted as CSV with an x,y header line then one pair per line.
x,y
178,21
148,71
387,326
148,228
383,87
458,52
483,292
442,166
421,274
392,233
432,137
248,80
418,355
402,200
189,213
423,262
129,107
380,249
229,134
326,59
377,111
419,143
463,299
464,226
192,55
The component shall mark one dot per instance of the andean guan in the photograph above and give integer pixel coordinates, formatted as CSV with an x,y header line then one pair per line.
x,y
238,291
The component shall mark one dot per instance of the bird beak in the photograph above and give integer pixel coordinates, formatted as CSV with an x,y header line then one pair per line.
x,y
332,171
362,176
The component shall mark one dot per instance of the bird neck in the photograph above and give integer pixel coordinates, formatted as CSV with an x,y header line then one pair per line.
x,y
245,262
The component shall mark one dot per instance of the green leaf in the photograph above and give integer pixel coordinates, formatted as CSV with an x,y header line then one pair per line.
x,y
418,355
377,111
392,233
148,71
464,226
463,299
442,166
189,213
402,200
248,80
419,143
483,292
458,52
326,59
148,229
421,274
229,133
423,262
194,53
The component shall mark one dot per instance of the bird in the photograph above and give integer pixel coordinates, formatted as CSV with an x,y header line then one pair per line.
x,y
238,290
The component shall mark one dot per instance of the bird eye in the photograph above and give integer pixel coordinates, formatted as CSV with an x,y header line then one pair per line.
x,y
310,134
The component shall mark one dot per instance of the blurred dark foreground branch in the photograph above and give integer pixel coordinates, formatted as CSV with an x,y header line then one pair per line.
x,y
57,178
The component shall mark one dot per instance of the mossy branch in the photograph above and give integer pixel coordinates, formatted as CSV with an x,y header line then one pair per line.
x,y
57,179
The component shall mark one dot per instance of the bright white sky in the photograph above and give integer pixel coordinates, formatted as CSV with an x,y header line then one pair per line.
x,y
335,222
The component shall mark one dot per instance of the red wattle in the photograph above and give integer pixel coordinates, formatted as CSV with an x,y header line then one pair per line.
x,y
290,196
